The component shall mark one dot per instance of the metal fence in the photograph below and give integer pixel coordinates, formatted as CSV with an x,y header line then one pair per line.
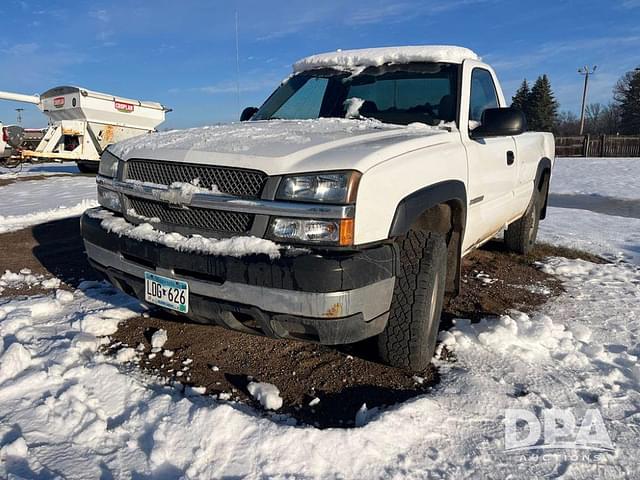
x,y
598,146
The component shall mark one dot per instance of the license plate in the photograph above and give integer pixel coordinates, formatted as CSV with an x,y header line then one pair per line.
x,y
166,292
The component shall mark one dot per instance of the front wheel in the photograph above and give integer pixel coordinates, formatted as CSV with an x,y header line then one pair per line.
x,y
409,340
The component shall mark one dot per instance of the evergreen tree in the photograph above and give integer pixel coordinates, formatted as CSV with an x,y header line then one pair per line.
x,y
627,96
521,100
543,106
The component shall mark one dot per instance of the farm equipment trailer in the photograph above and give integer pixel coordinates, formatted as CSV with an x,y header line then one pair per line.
x,y
82,123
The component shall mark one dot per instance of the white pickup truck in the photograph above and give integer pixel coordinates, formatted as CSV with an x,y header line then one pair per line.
x,y
340,211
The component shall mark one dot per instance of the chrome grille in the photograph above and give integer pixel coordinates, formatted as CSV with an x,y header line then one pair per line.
x,y
232,181
193,218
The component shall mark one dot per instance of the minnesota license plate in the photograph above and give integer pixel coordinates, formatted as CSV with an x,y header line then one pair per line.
x,y
166,292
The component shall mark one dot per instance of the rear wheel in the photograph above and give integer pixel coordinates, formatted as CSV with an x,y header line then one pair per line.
x,y
409,340
520,236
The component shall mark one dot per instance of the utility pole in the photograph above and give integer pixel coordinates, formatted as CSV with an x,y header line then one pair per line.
x,y
586,72
237,62
19,115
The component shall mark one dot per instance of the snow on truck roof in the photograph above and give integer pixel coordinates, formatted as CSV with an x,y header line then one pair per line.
x,y
374,57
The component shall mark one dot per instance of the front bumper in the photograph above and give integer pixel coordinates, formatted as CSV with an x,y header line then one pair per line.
x,y
330,298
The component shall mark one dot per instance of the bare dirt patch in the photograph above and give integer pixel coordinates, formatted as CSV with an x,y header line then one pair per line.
x,y
342,378
51,249
224,361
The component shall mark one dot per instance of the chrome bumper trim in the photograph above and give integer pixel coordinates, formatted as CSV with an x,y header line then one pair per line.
x,y
372,300
233,204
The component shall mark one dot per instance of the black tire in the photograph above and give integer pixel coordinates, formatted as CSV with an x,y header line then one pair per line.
x,y
88,167
520,236
409,340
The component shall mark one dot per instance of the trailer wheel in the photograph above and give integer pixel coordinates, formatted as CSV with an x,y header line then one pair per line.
x,y
88,167
409,340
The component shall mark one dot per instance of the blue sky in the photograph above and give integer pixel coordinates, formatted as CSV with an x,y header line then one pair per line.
x,y
182,53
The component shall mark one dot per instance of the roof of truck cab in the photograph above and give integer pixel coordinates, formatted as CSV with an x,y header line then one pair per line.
x,y
374,57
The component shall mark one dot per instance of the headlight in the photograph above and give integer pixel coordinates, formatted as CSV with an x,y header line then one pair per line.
x,y
109,199
108,164
331,187
331,232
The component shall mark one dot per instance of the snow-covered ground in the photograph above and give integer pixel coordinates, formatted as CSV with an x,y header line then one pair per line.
x,y
609,236
67,410
29,202
46,169
608,177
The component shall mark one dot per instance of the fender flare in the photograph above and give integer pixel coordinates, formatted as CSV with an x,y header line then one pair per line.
x,y
544,165
412,206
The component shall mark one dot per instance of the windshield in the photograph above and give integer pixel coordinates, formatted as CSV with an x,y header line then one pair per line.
x,y
401,94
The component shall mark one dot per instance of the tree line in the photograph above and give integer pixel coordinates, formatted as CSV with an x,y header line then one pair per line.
x,y
621,116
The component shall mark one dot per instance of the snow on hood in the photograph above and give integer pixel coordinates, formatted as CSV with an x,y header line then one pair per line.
x,y
272,138
249,138
279,147
374,57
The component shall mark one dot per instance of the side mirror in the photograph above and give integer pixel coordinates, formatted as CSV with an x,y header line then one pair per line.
x,y
500,122
247,113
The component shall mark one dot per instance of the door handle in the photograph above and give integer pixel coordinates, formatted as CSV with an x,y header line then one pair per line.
x,y
511,157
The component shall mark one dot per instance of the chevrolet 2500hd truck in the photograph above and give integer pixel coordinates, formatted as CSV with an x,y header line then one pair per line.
x,y
339,211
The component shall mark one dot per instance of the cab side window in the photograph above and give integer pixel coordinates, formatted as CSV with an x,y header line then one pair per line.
x,y
483,94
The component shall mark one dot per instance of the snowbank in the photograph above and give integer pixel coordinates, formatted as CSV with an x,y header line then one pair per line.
x,y
372,57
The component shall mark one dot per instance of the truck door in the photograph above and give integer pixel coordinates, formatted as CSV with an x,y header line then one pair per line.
x,y
491,161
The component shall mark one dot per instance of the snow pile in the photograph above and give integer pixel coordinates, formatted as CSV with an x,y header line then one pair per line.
x,y
234,246
267,394
10,279
24,277
357,60
532,339
266,138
